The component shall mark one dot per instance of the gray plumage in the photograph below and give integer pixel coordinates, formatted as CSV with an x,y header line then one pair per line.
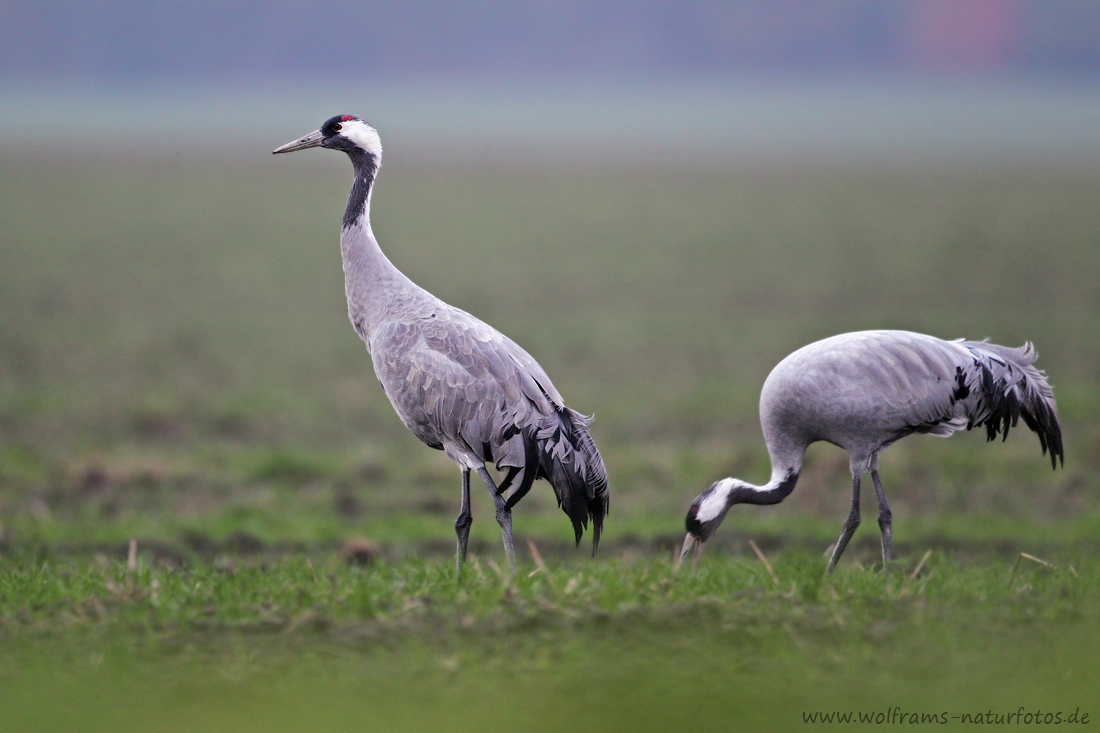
x,y
863,391
456,383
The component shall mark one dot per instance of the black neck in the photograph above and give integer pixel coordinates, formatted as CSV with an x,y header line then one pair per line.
x,y
365,167
773,493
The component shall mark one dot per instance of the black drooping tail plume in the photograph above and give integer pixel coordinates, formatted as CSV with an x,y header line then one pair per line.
x,y
560,450
1008,387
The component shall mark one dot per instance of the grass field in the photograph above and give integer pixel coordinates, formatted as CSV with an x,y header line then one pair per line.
x,y
617,645
176,367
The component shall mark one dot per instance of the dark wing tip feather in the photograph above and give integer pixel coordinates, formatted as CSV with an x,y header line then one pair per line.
x,y
1017,390
566,456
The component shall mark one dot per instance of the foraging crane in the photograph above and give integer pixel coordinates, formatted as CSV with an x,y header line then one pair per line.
x,y
459,385
863,391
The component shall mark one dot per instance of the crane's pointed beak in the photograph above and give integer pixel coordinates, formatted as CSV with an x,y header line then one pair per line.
x,y
311,140
692,545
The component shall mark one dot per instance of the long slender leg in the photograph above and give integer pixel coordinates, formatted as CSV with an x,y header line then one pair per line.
x,y
849,529
884,513
504,517
464,520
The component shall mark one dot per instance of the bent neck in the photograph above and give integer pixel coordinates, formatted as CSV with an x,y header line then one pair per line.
x,y
773,492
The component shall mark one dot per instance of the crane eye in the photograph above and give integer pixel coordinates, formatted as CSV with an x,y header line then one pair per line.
x,y
337,127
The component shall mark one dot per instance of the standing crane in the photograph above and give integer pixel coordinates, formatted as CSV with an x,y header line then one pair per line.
x,y
863,391
458,384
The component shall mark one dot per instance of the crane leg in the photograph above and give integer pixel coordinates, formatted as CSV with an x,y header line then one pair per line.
x,y
849,528
504,517
464,520
884,514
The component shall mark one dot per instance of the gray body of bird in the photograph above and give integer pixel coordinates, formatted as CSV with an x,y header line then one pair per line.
x,y
862,392
456,383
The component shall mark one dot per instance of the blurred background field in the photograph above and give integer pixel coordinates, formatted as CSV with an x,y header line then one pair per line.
x,y
177,359
659,206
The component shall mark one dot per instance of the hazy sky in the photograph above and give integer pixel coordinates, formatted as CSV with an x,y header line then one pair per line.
x,y
1017,79
115,42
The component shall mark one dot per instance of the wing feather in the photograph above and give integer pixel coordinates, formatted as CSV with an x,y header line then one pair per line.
x,y
454,378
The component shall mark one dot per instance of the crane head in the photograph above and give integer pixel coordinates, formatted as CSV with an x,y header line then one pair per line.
x,y
707,512
348,133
